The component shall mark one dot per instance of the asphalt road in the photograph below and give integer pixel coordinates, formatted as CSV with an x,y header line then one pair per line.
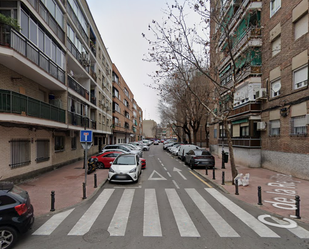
x,y
170,207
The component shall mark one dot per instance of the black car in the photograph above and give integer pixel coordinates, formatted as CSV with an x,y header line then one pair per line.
x,y
199,158
16,213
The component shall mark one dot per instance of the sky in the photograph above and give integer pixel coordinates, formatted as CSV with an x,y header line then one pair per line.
x,y
121,24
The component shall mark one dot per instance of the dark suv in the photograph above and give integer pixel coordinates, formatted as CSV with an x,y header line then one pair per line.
x,y
16,213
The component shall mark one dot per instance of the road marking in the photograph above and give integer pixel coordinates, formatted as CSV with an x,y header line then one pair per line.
x,y
201,179
179,172
151,177
86,221
49,226
152,225
217,222
288,224
248,219
118,225
176,185
168,173
184,223
298,231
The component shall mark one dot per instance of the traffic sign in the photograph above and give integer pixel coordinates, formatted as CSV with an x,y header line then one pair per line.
x,y
85,136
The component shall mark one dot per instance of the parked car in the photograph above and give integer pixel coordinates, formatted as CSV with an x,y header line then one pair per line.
x,y
106,157
125,168
123,147
16,213
199,158
183,149
174,149
165,146
156,142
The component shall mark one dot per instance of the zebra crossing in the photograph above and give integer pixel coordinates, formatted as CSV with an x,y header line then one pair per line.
x,y
151,219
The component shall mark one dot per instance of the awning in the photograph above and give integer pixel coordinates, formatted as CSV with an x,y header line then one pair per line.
x,y
245,120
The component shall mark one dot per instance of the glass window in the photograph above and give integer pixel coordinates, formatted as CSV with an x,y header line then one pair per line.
x,y
301,27
51,6
47,45
59,143
275,5
6,200
298,125
42,150
24,24
33,32
301,77
276,46
274,128
41,40
53,51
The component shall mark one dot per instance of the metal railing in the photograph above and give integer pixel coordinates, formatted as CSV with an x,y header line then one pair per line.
x,y
12,102
74,85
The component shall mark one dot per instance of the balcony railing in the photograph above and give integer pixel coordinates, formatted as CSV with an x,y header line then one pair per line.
x,y
12,102
249,108
11,38
78,120
249,142
74,85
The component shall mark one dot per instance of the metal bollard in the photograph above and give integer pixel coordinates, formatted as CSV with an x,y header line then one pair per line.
x,y
95,180
223,165
223,176
207,170
260,195
297,211
84,191
236,187
213,173
52,208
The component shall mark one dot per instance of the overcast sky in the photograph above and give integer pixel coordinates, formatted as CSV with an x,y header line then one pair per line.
x,y
121,24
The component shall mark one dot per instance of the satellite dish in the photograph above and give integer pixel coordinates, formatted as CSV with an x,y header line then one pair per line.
x,y
276,86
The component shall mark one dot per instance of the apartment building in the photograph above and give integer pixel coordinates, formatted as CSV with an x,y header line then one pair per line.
x,y
149,128
269,117
56,80
127,115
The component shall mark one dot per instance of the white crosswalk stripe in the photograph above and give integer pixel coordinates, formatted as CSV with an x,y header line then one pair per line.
x,y
152,226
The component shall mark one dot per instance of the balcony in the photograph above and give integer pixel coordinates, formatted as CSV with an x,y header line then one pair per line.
x,y
78,120
251,107
74,85
11,38
16,103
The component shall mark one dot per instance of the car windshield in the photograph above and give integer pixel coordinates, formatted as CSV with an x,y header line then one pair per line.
x,y
125,160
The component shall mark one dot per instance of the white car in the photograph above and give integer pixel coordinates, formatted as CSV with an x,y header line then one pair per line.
x,y
125,168
184,148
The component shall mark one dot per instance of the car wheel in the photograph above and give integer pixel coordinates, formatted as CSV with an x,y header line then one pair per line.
x,y
100,165
8,237
191,165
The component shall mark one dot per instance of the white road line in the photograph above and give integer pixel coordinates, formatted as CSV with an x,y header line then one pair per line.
x,y
185,225
49,226
118,225
152,225
217,222
176,185
168,174
298,231
86,221
257,226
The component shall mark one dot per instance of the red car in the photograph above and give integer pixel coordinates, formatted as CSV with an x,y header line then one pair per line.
x,y
105,158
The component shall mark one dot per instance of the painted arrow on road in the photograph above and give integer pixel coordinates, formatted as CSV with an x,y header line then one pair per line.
x,y
178,170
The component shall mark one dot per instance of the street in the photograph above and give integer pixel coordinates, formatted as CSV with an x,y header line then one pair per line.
x,y
170,207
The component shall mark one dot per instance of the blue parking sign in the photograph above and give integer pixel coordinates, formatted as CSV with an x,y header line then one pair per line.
x,y
86,136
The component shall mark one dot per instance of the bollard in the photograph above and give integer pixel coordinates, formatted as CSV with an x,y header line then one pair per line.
x,y
95,180
52,208
260,195
223,165
213,173
84,191
207,170
297,211
223,174
236,187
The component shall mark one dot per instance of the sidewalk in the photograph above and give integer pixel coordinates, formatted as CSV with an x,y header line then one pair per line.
x,y
278,190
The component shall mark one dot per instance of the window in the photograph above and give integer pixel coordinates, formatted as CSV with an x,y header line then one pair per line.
x,y
33,32
42,150
274,6
126,92
274,128
276,46
298,125
24,24
20,153
301,27
59,143
116,93
244,131
6,200
300,77
117,108
275,88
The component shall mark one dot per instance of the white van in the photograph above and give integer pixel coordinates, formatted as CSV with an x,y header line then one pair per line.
x,y
184,148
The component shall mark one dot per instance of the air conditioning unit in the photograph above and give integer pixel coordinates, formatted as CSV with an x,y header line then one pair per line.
x,y
261,126
261,94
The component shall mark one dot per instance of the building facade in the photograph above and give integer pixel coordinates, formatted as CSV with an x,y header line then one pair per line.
x,y
269,118
127,115
149,129
56,80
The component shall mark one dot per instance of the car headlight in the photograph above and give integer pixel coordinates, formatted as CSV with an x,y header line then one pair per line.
x,y
111,170
133,170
